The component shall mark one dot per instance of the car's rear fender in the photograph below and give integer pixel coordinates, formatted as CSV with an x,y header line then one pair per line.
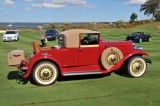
x,y
122,61
38,59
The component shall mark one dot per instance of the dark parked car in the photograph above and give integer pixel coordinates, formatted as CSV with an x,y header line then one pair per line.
x,y
139,37
51,34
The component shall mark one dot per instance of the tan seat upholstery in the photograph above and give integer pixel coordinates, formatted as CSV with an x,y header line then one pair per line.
x,y
36,47
46,48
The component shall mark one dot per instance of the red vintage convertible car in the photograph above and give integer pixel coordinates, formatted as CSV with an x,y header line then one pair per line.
x,y
80,52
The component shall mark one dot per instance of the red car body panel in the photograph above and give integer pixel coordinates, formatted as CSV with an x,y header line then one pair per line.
x,y
83,59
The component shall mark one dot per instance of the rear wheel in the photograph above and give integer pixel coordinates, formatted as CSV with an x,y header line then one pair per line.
x,y
45,73
136,66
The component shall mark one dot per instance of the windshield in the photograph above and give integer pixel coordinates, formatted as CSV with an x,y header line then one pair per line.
x,y
10,32
50,31
137,33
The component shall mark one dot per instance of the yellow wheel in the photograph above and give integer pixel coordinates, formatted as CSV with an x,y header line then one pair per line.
x,y
45,73
137,66
110,57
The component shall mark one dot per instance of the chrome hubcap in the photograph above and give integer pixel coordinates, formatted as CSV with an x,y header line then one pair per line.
x,y
137,67
112,58
45,73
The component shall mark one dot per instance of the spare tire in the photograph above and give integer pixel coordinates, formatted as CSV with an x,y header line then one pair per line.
x,y
110,57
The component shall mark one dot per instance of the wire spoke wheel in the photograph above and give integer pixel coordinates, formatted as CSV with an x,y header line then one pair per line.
x,y
136,66
45,73
110,57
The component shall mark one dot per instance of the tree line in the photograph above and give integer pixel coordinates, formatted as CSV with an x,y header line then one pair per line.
x,y
150,8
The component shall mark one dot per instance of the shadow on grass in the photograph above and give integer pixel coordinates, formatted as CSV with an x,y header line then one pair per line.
x,y
13,75
122,72
82,77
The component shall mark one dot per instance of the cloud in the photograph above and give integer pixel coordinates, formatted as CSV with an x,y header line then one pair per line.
x,y
28,0
74,2
47,5
136,2
30,9
71,2
89,6
59,3
10,3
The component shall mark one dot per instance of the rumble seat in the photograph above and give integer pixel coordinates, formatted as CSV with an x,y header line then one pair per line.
x,y
38,49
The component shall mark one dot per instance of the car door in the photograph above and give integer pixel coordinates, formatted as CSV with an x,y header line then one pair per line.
x,y
69,57
89,50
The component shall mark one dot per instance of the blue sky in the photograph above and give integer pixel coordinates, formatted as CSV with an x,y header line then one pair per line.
x,y
69,10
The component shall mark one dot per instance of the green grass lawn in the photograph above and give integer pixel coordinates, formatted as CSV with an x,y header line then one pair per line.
x,y
96,90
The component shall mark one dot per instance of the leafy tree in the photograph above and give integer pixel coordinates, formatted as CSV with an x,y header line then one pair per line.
x,y
157,16
151,7
66,26
52,25
119,24
133,17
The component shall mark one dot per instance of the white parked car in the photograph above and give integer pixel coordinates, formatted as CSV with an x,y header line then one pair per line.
x,y
10,35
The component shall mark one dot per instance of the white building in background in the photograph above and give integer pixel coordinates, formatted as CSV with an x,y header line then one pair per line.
x,y
10,25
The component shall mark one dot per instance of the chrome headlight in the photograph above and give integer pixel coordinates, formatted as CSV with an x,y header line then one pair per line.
x,y
133,44
138,48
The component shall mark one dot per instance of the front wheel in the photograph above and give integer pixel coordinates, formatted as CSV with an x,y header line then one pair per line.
x,y
45,73
136,66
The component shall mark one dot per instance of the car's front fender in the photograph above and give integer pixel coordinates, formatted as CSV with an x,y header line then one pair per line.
x,y
134,53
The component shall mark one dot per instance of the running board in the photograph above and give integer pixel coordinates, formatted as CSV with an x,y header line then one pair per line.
x,y
82,73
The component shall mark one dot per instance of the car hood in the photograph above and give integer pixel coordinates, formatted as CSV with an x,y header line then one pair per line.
x,y
10,35
132,35
50,33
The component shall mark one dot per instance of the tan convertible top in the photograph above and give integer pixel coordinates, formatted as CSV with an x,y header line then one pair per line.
x,y
71,37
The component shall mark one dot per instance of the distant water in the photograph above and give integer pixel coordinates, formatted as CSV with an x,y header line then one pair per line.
x,y
21,25
35,25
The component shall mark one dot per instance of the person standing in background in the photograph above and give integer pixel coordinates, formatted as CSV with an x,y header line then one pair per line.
x,y
42,36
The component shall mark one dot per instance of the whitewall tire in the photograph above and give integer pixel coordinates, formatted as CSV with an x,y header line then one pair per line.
x,y
136,67
45,73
